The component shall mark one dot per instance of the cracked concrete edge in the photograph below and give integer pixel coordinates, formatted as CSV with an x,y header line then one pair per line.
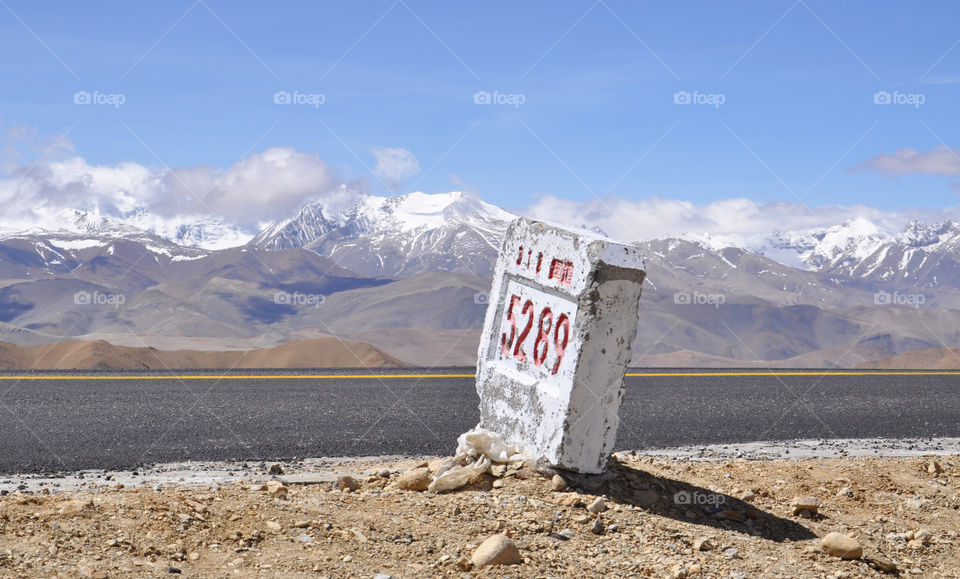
x,y
206,474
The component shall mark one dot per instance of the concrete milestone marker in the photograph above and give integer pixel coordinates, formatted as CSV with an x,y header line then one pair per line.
x,y
556,343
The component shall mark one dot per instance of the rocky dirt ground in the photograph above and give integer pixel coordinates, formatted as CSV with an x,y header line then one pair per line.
x,y
647,517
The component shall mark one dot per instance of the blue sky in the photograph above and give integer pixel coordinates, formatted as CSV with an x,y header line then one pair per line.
x,y
598,83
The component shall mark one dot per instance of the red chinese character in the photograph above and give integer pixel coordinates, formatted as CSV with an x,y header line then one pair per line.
x,y
562,271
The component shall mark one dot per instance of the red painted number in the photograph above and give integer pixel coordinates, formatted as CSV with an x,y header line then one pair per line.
x,y
518,352
562,322
545,316
512,344
507,343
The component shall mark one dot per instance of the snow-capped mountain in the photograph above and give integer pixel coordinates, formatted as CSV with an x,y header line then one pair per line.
x,y
418,232
186,231
825,248
398,236
921,256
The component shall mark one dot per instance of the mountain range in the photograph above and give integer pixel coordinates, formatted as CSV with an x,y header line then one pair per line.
x,y
408,275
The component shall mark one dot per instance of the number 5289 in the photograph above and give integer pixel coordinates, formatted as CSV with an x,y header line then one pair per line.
x,y
551,333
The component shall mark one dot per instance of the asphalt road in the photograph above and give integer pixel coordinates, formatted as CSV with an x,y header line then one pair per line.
x,y
119,421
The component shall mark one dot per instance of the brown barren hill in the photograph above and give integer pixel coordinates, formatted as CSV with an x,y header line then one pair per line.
x,y
101,355
926,359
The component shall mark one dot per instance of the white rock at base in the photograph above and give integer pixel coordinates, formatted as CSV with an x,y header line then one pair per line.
x,y
416,479
557,484
841,546
497,550
597,506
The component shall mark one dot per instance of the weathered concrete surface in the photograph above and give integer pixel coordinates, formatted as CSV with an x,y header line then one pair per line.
x,y
556,343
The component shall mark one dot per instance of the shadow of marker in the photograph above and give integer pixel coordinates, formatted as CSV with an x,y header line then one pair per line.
x,y
674,499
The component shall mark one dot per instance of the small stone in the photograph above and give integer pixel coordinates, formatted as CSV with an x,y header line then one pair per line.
x,y
568,533
881,563
383,473
646,497
174,570
382,576
678,572
347,483
841,546
417,479
498,484
557,484
276,489
597,528
301,524
71,508
746,495
934,467
347,559
805,503
923,535
496,550
597,506
845,492
275,469
194,556
274,526
694,569
731,552
730,515
305,538
703,544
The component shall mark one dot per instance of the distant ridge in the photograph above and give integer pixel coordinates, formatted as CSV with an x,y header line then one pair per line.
x,y
101,355
926,359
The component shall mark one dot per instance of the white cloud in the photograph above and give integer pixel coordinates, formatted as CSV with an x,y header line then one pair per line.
x,y
940,160
395,164
722,223
262,187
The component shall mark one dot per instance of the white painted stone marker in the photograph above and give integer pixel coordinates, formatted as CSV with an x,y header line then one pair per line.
x,y
556,343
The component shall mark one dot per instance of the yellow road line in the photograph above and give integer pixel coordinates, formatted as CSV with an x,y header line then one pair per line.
x,y
398,376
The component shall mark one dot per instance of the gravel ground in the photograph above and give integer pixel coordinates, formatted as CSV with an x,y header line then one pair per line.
x,y
695,512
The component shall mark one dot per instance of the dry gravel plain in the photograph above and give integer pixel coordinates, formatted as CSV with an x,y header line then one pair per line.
x,y
655,517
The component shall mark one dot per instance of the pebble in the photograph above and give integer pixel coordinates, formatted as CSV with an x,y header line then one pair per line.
x,y
881,563
275,469
497,550
557,484
845,492
174,570
498,484
568,533
597,528
731,552
703,544
382,575
841,546
934,467
805,503
273,525
347,483
416,479
276,489
597,506
383,473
